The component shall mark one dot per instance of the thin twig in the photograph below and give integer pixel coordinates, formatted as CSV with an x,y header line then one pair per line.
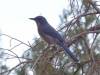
x,y
15,67
15,39
12,52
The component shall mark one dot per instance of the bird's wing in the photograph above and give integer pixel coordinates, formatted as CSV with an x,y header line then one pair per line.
x,y
50,31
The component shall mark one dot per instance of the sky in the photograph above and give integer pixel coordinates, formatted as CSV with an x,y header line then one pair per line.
x,y
14,20
14,16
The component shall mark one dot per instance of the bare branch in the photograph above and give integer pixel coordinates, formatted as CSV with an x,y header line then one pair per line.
x,y
15,67
95,6
15,39
12,52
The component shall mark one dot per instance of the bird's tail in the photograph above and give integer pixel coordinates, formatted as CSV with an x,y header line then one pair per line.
x,y
69,52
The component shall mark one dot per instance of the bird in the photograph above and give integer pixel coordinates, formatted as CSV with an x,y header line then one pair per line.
x,y
51,35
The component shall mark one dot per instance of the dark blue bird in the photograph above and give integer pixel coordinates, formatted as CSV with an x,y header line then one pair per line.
x,y
50,35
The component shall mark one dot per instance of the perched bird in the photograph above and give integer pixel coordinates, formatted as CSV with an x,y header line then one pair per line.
x,y
50,35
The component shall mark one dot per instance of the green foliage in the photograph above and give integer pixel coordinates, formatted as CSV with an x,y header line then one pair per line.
x,y
90,19
21,71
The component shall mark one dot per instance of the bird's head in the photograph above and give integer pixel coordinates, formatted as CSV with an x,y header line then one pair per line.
x,y
40,20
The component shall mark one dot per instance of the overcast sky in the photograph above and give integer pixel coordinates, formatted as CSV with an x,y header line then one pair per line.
x,y
14,16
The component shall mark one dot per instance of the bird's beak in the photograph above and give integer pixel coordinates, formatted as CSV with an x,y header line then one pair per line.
x,y
31,18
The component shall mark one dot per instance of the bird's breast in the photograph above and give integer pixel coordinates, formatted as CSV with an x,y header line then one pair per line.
x,y
48,39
